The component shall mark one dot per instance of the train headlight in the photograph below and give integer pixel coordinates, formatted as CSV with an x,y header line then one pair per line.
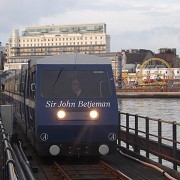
x,y
94,115
61,114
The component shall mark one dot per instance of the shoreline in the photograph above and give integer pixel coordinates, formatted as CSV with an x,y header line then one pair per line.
x,y
148,94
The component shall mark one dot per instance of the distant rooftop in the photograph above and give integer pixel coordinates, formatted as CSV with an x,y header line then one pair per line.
x,y
65,29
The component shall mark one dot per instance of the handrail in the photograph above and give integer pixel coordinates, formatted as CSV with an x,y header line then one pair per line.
x,y
143,133
9,171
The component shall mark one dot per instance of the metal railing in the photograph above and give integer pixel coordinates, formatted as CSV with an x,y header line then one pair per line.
x,y
156,139
15,164
9,170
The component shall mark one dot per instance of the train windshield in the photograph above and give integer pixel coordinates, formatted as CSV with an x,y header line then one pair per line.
x,y
75,84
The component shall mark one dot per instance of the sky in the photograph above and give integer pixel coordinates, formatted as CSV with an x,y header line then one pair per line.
x,y
131,24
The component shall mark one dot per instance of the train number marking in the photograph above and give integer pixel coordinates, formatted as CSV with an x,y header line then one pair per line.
x,y
44,136
112,136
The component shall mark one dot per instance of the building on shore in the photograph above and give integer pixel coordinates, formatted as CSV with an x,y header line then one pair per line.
x,y
58,39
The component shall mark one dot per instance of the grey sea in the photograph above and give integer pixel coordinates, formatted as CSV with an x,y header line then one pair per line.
x,y
165,109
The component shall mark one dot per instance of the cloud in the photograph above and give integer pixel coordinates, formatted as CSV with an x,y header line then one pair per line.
x,y
27,12
153,39
128,21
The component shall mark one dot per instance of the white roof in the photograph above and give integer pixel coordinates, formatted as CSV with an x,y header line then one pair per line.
x,y
71,59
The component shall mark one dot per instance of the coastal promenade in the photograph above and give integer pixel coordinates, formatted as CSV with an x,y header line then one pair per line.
x,y
150,94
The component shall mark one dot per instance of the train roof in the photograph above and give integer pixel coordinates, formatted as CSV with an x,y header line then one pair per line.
x,y
71,59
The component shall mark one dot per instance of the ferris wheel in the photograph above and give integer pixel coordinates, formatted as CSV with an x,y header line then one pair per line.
x,y
145,63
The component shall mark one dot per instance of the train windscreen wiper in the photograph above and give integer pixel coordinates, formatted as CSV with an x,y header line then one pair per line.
x,y
57,78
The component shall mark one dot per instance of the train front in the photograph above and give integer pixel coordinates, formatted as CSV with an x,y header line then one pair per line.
x,y
77,113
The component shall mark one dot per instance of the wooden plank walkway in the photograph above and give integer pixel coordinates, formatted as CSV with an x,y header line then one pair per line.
x,y
133,169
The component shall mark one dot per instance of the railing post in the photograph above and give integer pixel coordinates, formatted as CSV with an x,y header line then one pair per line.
x,y
127,130
147,137
174,145
159,140
136,147
119,117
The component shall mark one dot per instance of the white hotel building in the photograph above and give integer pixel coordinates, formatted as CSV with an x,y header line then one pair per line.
x,y
53,40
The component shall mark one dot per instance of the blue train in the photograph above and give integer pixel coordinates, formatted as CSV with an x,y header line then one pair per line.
x,y
66,104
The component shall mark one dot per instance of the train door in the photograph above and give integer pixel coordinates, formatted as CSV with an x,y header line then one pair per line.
x,y
22,94
17,100
30,101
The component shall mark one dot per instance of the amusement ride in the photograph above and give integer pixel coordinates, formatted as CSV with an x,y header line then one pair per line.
x,y
148,75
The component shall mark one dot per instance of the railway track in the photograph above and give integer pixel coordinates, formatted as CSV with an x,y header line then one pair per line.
x,y
100,170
